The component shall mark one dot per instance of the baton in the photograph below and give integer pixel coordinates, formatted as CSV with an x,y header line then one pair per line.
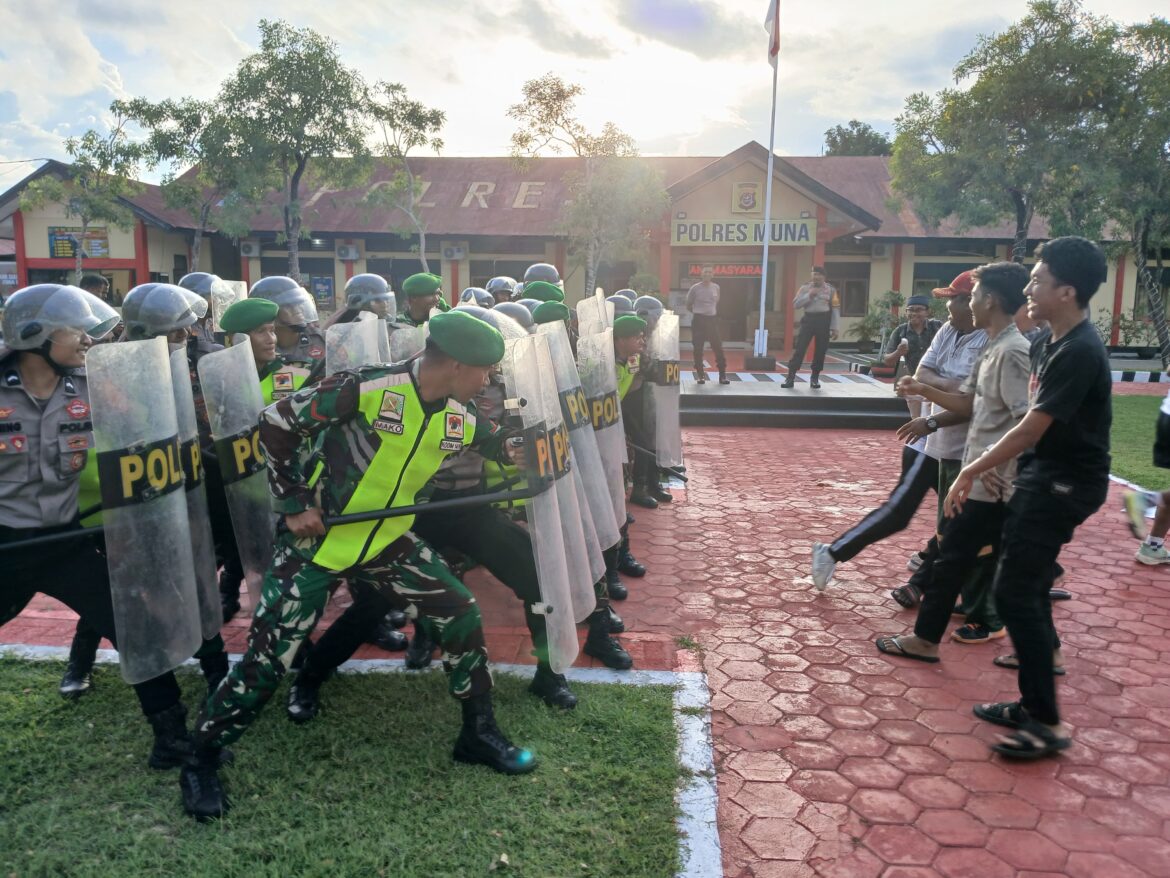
x,y
670,469
440,505
86,513
54,538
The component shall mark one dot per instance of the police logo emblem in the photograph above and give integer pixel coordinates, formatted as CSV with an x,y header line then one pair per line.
x,y
6,413
454,426
76,443
390,412
747,199
316,352
78,409
282,381
77,461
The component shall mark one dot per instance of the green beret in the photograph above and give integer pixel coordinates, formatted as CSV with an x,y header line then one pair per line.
x,y
421,285
247,314
550,312
628,325
466,339
544,291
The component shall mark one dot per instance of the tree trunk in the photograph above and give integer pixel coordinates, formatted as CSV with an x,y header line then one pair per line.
x,y
422,249
592,261
197,237
293,221
1023,224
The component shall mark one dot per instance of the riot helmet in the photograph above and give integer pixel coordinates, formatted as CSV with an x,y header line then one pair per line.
x,y
297,309
502,288
627,294
31,315
517,312
649,308
621,305
505,325
370,292
477,296
543,271
530,304
203,283
156,309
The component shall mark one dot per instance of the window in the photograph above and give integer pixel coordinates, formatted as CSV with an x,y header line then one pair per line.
x,y
854,297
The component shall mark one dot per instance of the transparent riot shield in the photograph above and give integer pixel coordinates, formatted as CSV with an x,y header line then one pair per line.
x,y
598,371
202,544
384,354
351,345
406,341
148,543
664,386
231,389
527,375
592,483
594,314
223,295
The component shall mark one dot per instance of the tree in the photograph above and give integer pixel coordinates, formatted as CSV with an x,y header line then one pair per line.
x,y
100,179
1138,196
612,202
859,138
1039,99
404,124
189,138
293,105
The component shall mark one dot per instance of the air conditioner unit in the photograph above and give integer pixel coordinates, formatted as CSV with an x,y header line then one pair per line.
x,y
347,252
880,251
250,249
454,252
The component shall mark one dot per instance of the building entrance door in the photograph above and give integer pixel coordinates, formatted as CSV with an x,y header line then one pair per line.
x,y
737,296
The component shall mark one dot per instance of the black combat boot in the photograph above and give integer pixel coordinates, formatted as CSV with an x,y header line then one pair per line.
x,y
616,625
203,794
815,381
387,636
172,744
421,650
640,497
654,489
215,668
229,592
723,379
481,742
614,587
629,565
78,676
397,619
304,697
553,688
790,381
607,650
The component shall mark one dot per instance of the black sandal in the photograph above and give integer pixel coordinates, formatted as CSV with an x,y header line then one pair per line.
x,y
1031,741
1003,713
1010,661
889,645
907,596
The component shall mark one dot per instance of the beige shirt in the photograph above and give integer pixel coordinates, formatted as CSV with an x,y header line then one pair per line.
x,y
703,298
999,381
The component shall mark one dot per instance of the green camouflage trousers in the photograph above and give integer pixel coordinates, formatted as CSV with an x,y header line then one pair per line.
x,y
292,601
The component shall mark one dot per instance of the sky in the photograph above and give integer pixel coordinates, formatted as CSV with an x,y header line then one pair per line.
x,y
683,77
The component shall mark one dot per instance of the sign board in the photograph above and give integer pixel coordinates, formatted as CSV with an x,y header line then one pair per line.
x,y
746,197
724,269
734,233
64,240
322,288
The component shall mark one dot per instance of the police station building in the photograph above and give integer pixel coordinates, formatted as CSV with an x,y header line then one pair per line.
x,y
492,216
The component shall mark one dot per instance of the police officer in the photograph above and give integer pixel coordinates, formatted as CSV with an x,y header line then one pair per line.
x,y
209,287
423,292
366,292
502,288
477,296
414,414
542,271
46,438
517,312
297,332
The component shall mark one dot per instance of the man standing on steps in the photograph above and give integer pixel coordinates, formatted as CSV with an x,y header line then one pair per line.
x,y
703,302
822,313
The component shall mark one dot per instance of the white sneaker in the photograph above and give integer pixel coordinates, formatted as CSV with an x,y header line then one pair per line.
x,y
1147,554
914,562
823,565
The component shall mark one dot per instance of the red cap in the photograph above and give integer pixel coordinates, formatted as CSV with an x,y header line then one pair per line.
x,y
963,285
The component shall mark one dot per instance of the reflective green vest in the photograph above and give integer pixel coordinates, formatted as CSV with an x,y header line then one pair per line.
x,y
410,446
625,376
281,378
89,492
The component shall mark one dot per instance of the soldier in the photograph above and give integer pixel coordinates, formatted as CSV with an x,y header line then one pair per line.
x,y
423,292
297,332
46,437
502,288
381,433
629,351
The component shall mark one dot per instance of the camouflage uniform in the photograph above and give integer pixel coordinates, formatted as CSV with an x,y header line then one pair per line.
x,y
335,420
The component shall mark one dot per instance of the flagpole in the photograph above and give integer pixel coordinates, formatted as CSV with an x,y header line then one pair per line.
x,y
761,346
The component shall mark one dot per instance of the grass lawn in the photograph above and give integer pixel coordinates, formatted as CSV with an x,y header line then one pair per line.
x,y
367,789
1132,441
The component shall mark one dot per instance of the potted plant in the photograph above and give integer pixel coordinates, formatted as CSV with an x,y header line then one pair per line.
x,y
867,330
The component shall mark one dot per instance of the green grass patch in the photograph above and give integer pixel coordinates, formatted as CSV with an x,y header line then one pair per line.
x,y
367,789
1132,441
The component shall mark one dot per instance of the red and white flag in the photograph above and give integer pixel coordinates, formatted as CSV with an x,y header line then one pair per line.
x,y
772,26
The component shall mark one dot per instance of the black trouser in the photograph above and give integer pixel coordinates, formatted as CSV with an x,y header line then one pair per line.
x,y
919,475
979,524
483,534
218,511
75,573
1038,525
812,326
640,431
705,330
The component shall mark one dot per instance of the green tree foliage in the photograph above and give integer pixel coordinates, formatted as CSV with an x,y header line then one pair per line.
x,y
189,140
100,179
613,202
291,105
403,125
1023,131
857,138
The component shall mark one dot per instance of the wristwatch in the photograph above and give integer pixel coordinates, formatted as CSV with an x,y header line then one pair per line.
x,y
932,423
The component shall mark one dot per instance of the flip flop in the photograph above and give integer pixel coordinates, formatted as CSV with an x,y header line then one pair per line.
x,y
1012,663
1060,594
1031,741
890,646
907,596
1003,713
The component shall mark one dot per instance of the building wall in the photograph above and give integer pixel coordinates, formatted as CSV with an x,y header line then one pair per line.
x,y
36,232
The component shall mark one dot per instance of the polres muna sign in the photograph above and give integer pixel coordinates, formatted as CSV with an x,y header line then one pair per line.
x,y
737,233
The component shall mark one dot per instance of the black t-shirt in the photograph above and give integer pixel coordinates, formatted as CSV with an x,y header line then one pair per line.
x,y
1071,382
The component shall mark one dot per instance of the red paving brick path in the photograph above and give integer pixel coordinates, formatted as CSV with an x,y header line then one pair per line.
x,y
833,760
